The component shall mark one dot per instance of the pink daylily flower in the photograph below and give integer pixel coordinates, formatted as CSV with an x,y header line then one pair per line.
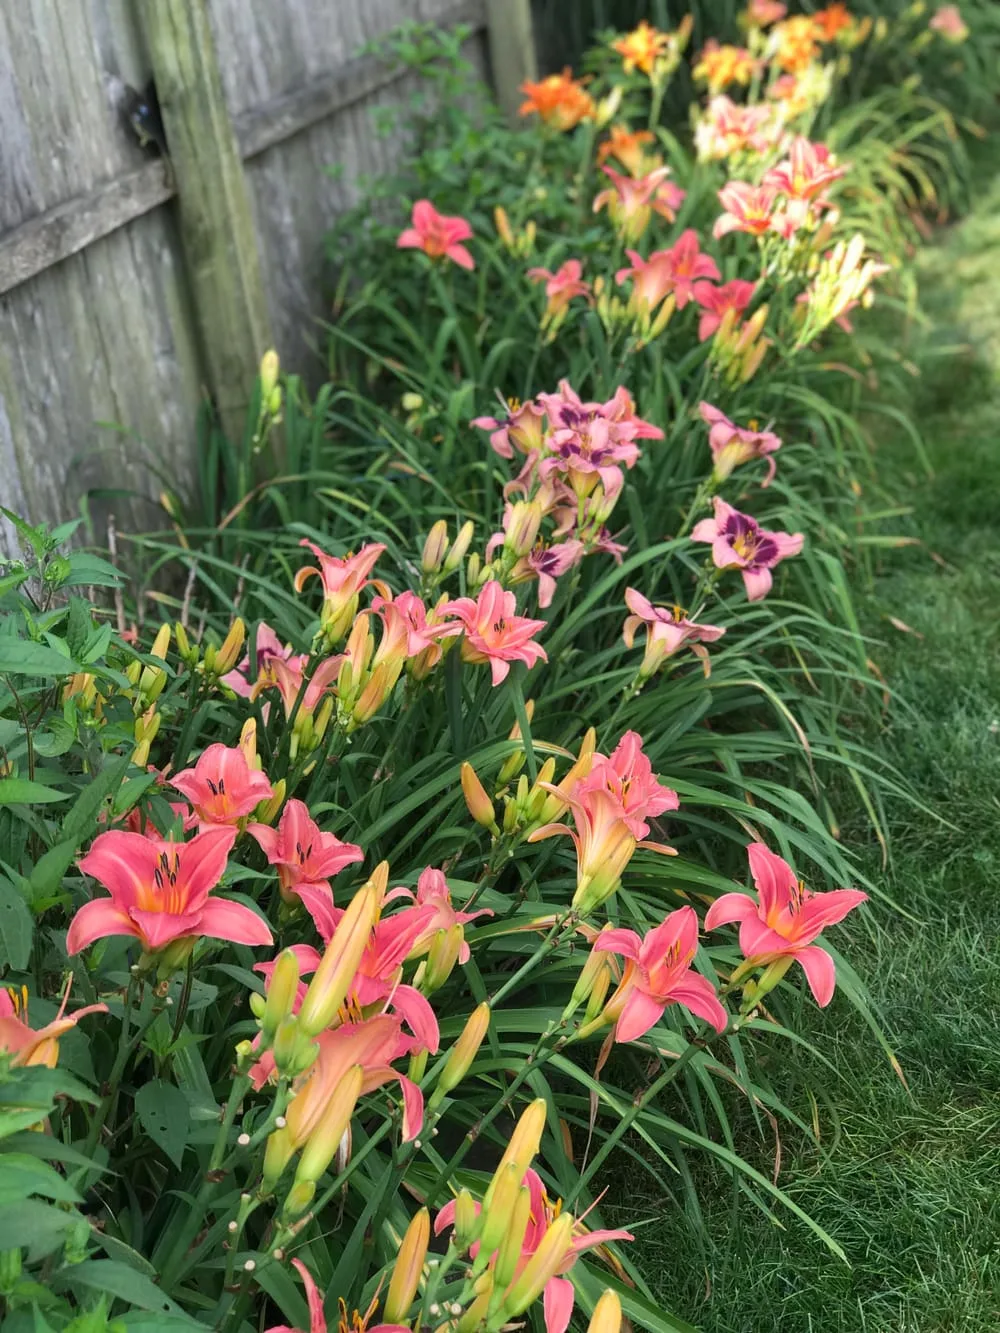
x,y
786,919
493,632
289,677
160,892
558,1296
306,857
438,236
675,270
948,21
222,787
659,972
765,12
747,207
317,1319
432,891
716,301
732,445
739,542
343,578
805,173
520,429
727,127
546,564
405,616
268,646
667,631
687,264
627,777
23,1045
561,286
631,201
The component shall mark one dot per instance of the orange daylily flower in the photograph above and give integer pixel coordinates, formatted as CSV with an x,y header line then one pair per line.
x,y
642,47
560,100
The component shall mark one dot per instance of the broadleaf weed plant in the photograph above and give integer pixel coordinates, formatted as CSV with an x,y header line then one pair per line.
x,y
352,922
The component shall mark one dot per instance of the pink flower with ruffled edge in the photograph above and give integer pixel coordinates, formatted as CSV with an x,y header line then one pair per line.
x,y
786,919
317,1320
739,542
667,631
558,1295
546,564
626,775
222,787
159,892
267,647
805,173
492,630
732,445
716,301
438,236
561,286
659,972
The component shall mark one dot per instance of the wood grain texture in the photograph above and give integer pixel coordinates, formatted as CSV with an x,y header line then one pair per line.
x,y
512,51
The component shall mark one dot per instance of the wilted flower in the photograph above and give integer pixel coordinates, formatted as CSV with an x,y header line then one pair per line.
x,y
739,542
520,429
560,287
786,919
629,148
438,236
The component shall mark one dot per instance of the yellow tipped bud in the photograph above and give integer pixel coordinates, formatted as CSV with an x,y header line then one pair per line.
x,y
543,1265
298,1199
332,979
479,804
267,811
596,962
232,645
270,367
257,1004
502,224
161,643
467,1217
280,994
474,569
523,1144
460,546
406,1273
607,1316
435,548
324,1141
184,648
411,402
248,743
442,957
277,1155
465,1050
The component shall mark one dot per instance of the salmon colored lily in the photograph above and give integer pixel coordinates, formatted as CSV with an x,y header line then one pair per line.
x,y
658,972
716,301
667,631
439,237
222,787
22,1044
317,1319
732,445
786,919
747,208
493,632
343,578
160,893
306,857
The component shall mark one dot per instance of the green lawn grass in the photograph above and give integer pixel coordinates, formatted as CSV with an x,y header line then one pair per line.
x,y
908,1180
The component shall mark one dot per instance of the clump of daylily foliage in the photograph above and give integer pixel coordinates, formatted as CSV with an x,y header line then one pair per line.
x,y
346,939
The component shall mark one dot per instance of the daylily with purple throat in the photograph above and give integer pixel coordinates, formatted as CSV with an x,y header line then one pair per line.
x,y
667,631
739,542
784,922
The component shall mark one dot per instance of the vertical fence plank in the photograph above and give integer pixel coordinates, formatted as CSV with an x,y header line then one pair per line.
x,y
512,50
216,219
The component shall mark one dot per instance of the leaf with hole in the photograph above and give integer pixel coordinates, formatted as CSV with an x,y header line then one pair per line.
x,y
164,1114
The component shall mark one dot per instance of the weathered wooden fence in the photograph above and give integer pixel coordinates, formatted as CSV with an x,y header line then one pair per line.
x,y
132,285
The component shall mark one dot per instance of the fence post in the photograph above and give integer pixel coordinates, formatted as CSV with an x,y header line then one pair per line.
x,y
216,219
512,50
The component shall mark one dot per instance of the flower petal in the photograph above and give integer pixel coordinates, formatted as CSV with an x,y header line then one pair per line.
x,y
820,971
94,921
557,1304
225,920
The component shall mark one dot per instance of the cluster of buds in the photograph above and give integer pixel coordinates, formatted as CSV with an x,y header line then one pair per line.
x,y
441,556
210,660
842,279
739,348
519,243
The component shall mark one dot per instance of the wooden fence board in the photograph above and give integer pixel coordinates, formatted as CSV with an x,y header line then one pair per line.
x,y
96,318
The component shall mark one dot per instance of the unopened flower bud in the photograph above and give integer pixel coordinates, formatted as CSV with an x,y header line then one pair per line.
x,y
435,548
280,994
270,367
465,1050
406,1272
607,1316
474,569
324,1141
524,1143
335,973
497,1210
467,1217
460,546
543,1265
509,1252
442,957
298,1199
479,805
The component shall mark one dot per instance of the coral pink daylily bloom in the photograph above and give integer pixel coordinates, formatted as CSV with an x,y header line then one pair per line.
x,y
659,972
687,264
343,578
438,236
557,1299
786,919
716,301
747,208
806,172
949,23
222,787
306,857
631,201
675,270
160,892
739,542
765,12
667,631
732,445
627,776
492,630
432,891
317,1319
561,286
25,1045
